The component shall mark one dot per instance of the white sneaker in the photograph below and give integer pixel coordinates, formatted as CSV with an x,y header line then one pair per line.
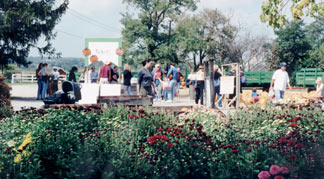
x,y
169,101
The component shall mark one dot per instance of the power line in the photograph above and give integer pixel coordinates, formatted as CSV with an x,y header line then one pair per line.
x,y
70,34
91,20
103,24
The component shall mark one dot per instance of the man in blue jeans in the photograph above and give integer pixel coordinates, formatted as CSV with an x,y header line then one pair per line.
x,y
172,75
280,80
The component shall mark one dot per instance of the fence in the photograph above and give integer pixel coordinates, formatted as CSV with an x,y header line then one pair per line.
x,y
28,78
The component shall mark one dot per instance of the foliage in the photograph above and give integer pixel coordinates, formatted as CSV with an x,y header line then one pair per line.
x,y
5,108
149,34
131,143
22,24
208,34
273,10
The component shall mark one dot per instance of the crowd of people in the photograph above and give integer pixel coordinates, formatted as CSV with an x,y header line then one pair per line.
x,y
47,81
162,84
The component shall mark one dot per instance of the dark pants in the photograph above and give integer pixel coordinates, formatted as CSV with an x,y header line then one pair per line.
x,y
200,92
218,95
54,86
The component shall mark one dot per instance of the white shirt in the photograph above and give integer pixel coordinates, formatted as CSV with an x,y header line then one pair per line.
x,y
200,76
319,89
56,75
191,76
281,80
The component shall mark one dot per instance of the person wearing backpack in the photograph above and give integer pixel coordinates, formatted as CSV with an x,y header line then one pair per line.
x,y
217,76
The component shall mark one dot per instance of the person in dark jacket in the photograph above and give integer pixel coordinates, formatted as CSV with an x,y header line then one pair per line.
x,y
39,81
72,74
217,75
145,79
127,75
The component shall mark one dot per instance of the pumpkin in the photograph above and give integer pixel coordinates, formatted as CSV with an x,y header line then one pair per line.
x,y
170,76
183,83
94,58
86,52
120,51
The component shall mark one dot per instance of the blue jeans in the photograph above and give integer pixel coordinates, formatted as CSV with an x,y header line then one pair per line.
x,y
166,94
158,85
44,90
178,88
217,93
279,94
128,89
39,90
172,88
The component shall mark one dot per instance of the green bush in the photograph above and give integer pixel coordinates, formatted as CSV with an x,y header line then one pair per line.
x,y
130,143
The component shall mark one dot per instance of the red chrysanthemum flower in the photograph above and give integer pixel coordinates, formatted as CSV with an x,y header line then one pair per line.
x,y
297,118
275,169
293,125
170,145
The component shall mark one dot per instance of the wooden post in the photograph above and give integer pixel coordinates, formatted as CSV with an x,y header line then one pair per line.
x,y
238,85
209,83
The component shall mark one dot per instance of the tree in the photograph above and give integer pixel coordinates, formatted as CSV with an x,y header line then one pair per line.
x,y
149,35
208,34
315,34
273,10
294,48
23,24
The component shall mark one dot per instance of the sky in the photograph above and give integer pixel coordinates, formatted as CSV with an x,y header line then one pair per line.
x,y
101,19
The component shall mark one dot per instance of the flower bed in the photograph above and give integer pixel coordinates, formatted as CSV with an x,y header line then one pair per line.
x,y
129,143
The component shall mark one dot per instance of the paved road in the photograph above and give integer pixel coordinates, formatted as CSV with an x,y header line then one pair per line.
x,y
25,96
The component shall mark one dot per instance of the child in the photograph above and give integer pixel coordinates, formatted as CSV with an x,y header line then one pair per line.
x,y
165,88
255,95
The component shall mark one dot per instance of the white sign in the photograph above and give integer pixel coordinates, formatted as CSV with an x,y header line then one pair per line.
x,y
110,89
227,85
106,51
89,93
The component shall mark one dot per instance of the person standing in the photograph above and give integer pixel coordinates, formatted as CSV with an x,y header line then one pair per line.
x,y
127,75
217,76
172,76
145,79
39,81
45,78
320,88
179,78
200,85
84,78
114,75
191,84
72,74
104,75
157,76
55,77
280,80
93,75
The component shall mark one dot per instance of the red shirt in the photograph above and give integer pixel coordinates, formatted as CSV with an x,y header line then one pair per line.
x,y
104,71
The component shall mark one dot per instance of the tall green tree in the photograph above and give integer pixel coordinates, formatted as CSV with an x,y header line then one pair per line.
x,y
208,34
148,34
315,34
294,48
23,24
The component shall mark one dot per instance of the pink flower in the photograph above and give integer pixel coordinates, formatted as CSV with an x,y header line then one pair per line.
x,y
284,170
264,175
275,169
279,177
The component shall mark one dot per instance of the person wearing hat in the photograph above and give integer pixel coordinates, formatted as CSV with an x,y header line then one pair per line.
x,y
93,75
320,88
55,78
280,80
104,76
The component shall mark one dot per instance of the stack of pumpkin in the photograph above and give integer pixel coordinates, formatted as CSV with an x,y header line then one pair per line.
x,y
290,97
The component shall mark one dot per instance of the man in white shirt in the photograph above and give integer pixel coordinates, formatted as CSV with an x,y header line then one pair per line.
x,y
280,80
55,78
